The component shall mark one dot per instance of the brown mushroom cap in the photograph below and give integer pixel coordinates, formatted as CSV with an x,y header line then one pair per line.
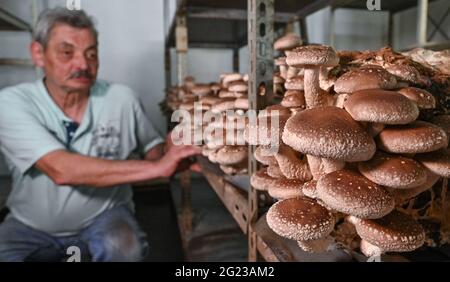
x,y
291,165
442,121
293,99
275,110
406,73
328,132
417,137
284,188
312,55
402,195
238,86
287,42
260,180
209,100
224,105
423,98
263,132
351,193
395,232
393,171
230,155
274,171
381,106
366,77
437,162
263,158
295,83
230,77
201,89
300,219
225,94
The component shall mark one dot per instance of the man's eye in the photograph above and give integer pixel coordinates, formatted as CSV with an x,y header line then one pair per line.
x,y
91,55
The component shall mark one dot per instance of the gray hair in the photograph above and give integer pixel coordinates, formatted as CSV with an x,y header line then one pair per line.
x,y
50,17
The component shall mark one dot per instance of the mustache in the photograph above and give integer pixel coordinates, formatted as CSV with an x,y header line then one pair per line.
x,y
81,73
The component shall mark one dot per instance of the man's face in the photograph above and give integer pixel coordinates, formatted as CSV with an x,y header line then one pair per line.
x,y
70,60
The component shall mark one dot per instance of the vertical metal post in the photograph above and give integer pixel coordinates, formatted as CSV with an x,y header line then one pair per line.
x,y
181,38
422,18
260,44
332,36
236,59
390,38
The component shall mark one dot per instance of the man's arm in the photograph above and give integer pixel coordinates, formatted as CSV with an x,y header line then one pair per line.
x,y
66,168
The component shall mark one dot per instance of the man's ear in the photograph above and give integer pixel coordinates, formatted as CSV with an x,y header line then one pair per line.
x,y
37,53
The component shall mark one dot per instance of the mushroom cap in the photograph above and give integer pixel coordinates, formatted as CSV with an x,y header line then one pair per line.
x,y
241,103
442,121
238,86
263,158
406,73
274,171
293,99
416,137
395,232
309,189
366,77
328,132
284,188
289,41
291,165
260,180
230,155
312,55
201,89
351,193
437,162
300,219
209,100
401,195
275,110
295,83
423,98
393,171
224,105
229,94
381,106
230,77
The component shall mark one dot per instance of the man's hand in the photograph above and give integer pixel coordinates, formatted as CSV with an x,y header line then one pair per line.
x,y
174,156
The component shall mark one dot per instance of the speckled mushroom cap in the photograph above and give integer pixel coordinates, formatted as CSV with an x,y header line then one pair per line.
x,y
393,171
273,170
287,42
406,73
300,219
283,188
381,106
366,77
423,98
230,155
274,110
263,158
328,132
437,162
442,121
293,99
230,77
416,137
351,193
396,232
309,189
401,195
295,83
260,180
312,55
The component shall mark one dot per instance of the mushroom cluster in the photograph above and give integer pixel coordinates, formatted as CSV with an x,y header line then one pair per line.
x,y
215,118
355,150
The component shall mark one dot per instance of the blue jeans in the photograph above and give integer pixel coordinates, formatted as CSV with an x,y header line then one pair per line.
x,y
113,236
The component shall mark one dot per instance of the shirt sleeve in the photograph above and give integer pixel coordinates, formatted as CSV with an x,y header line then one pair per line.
x,y
146,134
23,138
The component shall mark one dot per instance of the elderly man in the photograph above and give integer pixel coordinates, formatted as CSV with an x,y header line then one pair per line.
x,y
68,139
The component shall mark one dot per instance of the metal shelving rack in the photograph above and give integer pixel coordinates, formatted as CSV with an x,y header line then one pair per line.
x,y
233,24
9,22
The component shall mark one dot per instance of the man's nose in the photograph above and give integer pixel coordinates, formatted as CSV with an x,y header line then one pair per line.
x,y
80,62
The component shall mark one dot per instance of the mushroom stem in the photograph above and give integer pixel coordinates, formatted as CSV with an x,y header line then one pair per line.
x,y
314,246
375,129
291,72
315,164
314,95
283,71
330,165
340,100
291,166
370,250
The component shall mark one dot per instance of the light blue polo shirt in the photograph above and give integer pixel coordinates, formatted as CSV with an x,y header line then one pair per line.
x,y
32,125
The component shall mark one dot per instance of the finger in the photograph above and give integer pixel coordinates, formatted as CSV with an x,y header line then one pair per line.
x,y
195,167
